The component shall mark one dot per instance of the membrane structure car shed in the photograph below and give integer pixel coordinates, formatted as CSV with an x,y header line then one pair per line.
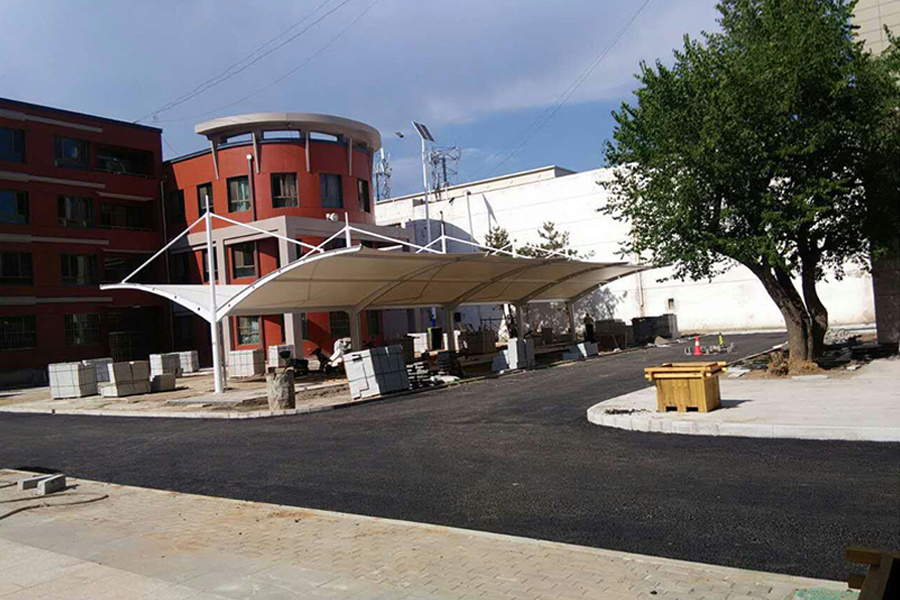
x,y
356,278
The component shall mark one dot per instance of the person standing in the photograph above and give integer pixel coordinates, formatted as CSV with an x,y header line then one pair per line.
x,y
588,328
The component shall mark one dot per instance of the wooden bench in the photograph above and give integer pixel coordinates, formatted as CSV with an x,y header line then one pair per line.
x,y
882,580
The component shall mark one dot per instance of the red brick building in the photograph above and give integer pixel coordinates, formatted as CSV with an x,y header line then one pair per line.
x,y
79,205
284,173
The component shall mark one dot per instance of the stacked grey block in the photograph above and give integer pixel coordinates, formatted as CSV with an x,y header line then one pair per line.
x,y
127,379
163,382
376,372
275,359
246,363
165,363
189,361
100,367
580,351
72,380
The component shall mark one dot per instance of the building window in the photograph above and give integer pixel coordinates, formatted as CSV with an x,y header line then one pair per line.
x,y
183,328
70,152
79,269
83,329
13,207
118,216
75,212
126,161
365,201
206,266
304,327
284,190
670,304
117,268
18,332
15,268
12,145
243,260
204,194
238,194
339,322
175,205
372,323
334,244
331,190
247,330
180,267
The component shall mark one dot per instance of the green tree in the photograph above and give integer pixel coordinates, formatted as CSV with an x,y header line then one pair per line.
x,y
496,237
552,240
765,144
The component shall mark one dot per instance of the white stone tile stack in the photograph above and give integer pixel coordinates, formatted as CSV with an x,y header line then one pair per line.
x,y
275,359
376,372
72,380
189,361
127,379
100,367
519,354
165,363
246,363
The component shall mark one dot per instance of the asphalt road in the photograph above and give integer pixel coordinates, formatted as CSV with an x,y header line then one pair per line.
x,y
514,455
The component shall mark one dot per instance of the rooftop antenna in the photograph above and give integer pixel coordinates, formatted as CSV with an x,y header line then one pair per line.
x,y
425,135
383,176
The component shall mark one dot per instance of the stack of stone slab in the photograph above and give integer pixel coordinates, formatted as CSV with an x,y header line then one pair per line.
x,y
189,361
165,363
376,372
100,367
127,379
580,351
275,359
519,354
72,380
246,363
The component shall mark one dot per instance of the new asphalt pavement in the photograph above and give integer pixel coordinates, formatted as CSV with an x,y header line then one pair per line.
x,y
513,455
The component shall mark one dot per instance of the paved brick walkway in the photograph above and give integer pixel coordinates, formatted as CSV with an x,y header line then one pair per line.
x,y
141,543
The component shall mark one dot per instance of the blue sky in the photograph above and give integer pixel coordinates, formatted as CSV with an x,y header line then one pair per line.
x,y
477,72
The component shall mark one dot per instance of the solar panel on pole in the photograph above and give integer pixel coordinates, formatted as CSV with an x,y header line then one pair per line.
x,y
423,132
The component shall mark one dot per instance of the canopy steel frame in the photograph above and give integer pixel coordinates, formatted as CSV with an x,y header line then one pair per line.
x,y
225,300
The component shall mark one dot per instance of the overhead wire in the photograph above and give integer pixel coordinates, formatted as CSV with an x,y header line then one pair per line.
x,y
285,75
230,72
551,110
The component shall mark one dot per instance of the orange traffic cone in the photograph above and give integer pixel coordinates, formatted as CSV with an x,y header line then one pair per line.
x,y
697,350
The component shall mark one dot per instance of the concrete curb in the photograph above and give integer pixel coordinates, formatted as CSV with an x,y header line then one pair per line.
x,y
257,414
636,422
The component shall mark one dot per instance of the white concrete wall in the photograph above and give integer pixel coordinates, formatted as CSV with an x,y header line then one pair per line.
x,y
734,301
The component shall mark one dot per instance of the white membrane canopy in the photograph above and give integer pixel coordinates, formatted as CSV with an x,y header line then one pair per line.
x,y
360,278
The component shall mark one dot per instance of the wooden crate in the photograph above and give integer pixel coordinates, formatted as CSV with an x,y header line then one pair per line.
x,y
687,386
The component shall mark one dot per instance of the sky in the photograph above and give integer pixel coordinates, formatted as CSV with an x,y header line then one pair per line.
x,y
479,73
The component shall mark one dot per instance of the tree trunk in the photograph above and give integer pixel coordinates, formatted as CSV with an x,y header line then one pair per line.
x,y
781,289
817,312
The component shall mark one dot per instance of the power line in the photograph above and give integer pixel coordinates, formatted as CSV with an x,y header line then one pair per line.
x,y
171,147
551,110
211,83
285,75
255,51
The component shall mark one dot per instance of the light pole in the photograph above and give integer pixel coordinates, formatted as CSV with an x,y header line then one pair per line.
x,y
425,134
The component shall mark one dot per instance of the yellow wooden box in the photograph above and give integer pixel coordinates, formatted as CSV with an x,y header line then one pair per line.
x,y
687,386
